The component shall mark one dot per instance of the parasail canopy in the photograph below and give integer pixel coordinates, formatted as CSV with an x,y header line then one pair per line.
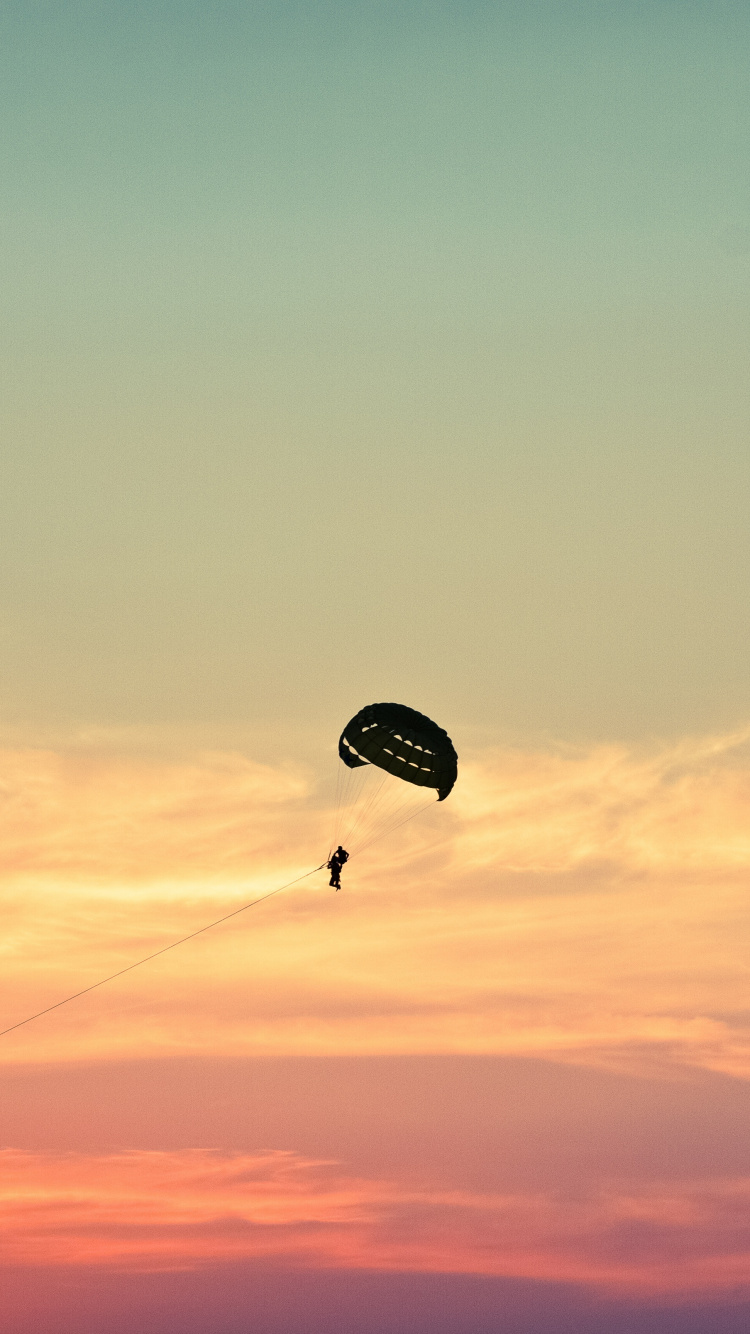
x,y
405,743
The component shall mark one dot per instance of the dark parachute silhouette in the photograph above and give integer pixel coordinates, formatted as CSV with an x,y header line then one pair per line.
x,y
405,743
395,751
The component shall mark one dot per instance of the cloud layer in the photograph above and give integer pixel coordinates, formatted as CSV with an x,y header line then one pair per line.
x,y
591,904
175,1210
589,908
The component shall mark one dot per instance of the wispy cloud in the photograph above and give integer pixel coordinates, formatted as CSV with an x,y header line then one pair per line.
x,y
123,819
683,807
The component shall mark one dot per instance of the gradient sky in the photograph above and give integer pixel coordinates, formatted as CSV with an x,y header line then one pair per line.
x,y
360,351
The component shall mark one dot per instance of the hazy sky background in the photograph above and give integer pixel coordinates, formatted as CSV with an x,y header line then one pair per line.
x,y
376,350
355,352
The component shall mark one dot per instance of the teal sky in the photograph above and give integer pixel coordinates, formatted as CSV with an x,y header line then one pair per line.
x,y
359,351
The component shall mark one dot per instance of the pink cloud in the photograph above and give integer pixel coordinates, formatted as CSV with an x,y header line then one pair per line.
x,y
143,1211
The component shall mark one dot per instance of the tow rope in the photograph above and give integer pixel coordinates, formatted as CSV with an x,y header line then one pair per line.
x,y
164,950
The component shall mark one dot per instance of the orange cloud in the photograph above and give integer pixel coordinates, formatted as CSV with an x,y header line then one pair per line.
x,y
591,905
92,815
180,1210
684,808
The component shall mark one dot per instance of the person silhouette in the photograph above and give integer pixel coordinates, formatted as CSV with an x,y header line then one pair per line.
x,y
335,864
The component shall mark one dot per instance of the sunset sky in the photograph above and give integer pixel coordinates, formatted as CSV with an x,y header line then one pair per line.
x,y
356,352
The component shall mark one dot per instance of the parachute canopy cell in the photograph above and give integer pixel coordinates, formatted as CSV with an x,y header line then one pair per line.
x,y
404,743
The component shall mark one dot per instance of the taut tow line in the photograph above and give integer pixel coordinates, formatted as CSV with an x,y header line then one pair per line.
x,y
164,950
